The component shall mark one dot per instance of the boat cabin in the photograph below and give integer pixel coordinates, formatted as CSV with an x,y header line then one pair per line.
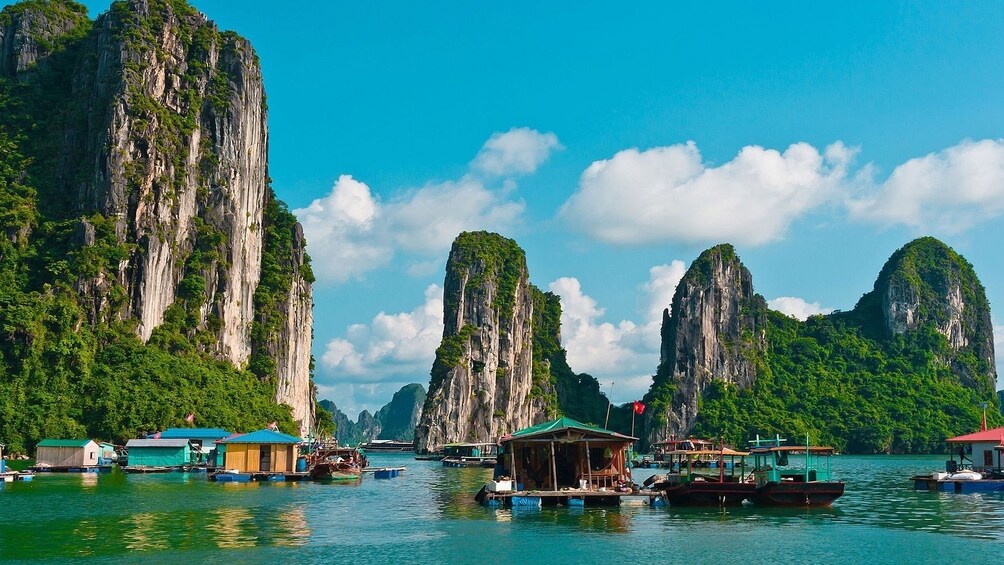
x,y
263,451
564,453
774,462
978,451
661,449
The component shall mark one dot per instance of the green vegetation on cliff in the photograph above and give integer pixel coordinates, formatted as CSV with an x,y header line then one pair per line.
x,y
846,380
70,364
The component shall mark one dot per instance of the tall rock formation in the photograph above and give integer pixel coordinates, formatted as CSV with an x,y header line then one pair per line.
x,y
715,330
399,417
158,146
483,381
927,282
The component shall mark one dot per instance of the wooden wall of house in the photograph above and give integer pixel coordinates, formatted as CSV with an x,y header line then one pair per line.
x,y
246,457
67,456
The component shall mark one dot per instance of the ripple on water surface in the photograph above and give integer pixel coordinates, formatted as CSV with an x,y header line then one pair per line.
x,y
429,514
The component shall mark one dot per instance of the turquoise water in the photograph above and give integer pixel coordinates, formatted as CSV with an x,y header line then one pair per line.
x,y
428,515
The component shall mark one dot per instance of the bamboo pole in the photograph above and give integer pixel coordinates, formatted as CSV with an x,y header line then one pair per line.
x,y
589,466
554,469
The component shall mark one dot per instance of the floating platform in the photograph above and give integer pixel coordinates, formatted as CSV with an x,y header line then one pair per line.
x,y
11,476
571,498
258,476
385,472
81,469
469,462
959,486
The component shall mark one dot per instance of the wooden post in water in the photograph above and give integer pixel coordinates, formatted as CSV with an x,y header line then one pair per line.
x,y
554,469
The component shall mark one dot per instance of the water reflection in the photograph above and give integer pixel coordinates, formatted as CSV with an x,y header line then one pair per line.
x,y
228,525
143,532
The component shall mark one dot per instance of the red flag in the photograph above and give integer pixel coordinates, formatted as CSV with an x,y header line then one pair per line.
x,y
190,418
156,435
638,407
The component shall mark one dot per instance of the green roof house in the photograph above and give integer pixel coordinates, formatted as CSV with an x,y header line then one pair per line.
x,y
66,453
159,452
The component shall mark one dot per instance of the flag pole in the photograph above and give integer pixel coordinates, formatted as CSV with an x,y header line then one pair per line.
x,y
606,422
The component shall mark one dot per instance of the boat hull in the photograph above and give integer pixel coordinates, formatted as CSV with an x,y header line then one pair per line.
x,y
794,493
335,472
708,493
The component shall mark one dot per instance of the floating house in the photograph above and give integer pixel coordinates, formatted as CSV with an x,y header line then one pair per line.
x,y
203,440
560,462
979,450
263,451
158,454
67,455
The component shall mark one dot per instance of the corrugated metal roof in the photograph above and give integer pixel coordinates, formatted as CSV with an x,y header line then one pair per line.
x,y
194,433
157,443
996,434
263,436
63,442
565,423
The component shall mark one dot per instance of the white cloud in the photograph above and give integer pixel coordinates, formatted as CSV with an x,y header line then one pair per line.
x,y
671,194
351,231
627,352
517,151
944,192
353,398
392,346
797,307
341,231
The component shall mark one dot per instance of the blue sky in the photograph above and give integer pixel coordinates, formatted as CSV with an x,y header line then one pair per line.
x,y
615,143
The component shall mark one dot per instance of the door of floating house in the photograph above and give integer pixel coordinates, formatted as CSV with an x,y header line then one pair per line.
x,y
260,452
67,453
159,452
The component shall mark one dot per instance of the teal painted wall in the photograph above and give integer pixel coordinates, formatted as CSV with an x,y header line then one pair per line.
x,y
159,456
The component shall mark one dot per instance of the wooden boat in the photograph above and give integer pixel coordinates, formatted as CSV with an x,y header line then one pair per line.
x,y
336,463
975,470
388,446
810,485
470,455
685,487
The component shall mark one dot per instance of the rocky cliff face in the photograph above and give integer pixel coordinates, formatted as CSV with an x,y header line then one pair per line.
x,y
715,330
483,383
162,155
926,282
399,417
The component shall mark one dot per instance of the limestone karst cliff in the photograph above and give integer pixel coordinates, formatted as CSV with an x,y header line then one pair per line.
x,y
145,141
910,365
483,383
714,330
927,282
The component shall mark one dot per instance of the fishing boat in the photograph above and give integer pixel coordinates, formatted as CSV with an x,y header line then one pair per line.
x,y
975,470
780,483
387,446
687,487
336,463
470,455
